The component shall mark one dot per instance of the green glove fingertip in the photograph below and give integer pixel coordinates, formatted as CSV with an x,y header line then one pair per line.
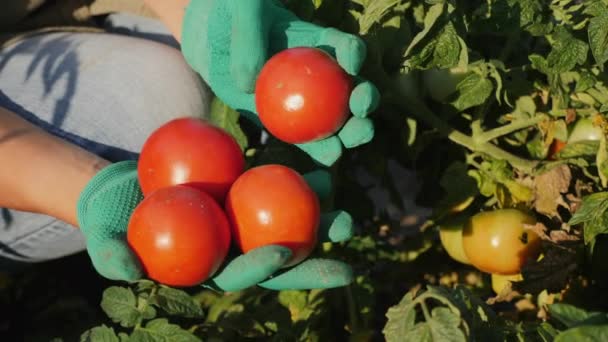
x,y
325,152
356,132
349,50
250,268
336,226
320,182
312,274
113,259
364,99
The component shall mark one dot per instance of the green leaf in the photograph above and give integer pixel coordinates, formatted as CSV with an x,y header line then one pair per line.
x,y
570,315
472,91
547,332
596,8
401,319
598,39
430,19
567,52
161,330
176,302
227,118
374,12
99,334
447,49
593,213
445,325
590,333
421,332
458,185
120,304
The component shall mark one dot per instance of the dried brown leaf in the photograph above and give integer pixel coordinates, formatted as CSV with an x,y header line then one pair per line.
x,y
549,188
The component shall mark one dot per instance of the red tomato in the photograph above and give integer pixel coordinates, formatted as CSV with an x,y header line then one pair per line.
x,y
302,95
273,204
192,152
180,234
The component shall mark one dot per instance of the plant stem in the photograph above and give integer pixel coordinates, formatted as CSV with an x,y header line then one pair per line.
x,y
423,113
514,126
352,312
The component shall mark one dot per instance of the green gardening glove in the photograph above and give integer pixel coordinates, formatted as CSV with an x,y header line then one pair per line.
x,y
104,209
107,202
228,41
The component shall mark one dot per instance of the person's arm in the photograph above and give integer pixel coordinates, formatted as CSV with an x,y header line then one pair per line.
x,y
171,13
40,172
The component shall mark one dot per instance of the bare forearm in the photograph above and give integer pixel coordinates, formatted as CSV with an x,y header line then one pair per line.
x,y
40,172
171,13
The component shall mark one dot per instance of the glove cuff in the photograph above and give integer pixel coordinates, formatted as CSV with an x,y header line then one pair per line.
x,y
108,177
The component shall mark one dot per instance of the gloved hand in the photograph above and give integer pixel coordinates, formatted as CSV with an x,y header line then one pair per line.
x,y
107,202
228,41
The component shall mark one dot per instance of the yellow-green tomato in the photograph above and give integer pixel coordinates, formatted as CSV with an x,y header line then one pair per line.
x,y
496,241
585,130
451,240
499,281
441,83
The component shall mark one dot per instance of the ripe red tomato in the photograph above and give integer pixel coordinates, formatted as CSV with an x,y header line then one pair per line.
x,y
192,152
496,241
180,234
302,95
273,204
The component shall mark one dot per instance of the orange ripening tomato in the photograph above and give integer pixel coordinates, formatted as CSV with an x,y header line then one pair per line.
x,y
273,204
180,234
302,95
496,241
555,147
192,152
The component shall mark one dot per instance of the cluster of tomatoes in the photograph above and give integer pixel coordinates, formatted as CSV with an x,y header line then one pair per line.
x,y
495,242
198,197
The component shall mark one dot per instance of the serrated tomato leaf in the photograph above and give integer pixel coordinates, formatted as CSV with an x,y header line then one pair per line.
x,y
593,213
120,304
589,333
162,331
176,302
99,334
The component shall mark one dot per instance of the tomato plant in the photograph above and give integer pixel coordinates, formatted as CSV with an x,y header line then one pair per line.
x,y
192,152
473,95
302,95
497,242
180,234
273,204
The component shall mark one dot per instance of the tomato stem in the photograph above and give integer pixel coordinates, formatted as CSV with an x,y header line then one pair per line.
x,y
352,312
514,126
423,113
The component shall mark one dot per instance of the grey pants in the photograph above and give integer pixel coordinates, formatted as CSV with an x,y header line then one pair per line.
x,y
105,92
